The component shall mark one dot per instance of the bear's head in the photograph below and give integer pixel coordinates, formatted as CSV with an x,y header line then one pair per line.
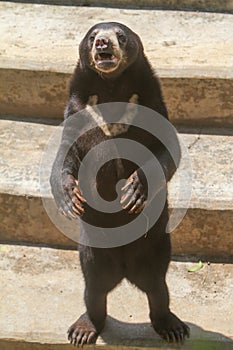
x,y
109,48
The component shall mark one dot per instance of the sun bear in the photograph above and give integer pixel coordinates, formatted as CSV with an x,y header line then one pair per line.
x,y
112,68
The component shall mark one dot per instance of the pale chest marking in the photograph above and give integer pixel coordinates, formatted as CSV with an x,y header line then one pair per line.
x,y
113,129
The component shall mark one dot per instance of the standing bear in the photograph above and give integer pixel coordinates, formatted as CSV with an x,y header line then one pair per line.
x,y
113,79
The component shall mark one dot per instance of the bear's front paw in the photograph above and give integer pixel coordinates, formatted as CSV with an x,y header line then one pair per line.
x,y
134,194
72,203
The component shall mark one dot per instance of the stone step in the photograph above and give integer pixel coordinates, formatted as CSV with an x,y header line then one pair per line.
x,y
206,230
204,5
191,51
42,295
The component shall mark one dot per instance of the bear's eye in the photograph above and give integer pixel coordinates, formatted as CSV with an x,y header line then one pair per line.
x,y
92,38
122,38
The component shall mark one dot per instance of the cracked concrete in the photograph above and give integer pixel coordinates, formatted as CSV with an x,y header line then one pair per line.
x,y
194,142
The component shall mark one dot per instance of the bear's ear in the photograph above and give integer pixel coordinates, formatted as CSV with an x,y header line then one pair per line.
x,y
82,49
139,42
81,45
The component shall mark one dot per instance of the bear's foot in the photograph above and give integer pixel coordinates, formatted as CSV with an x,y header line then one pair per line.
x,y
82,331
171,328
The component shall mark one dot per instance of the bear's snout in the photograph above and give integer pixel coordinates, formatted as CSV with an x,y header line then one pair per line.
x,y
102,43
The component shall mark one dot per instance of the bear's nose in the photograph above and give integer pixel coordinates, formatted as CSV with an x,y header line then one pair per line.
x,y
102,43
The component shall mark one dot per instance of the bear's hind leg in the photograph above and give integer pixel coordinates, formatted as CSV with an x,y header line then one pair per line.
x,y
102,272
164,322
88,326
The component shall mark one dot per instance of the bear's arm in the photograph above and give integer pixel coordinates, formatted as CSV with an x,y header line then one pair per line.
x,y
152,98
75,105
67,162
158,181
134,193
65,167
168,162
64,174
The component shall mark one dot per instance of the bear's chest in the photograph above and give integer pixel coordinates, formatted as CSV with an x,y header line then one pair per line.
x,y
121,91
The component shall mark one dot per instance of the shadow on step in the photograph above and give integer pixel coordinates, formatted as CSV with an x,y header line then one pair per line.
x,y
142,335
138,336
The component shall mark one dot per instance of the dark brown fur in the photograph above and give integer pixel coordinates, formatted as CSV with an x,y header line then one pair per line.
x,y
143,262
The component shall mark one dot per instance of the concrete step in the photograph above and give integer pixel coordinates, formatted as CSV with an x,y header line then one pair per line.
x,y
206,229
204,5
42,294
191,51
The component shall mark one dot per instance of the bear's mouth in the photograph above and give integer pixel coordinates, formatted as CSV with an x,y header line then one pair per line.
x,y
104,56
106,60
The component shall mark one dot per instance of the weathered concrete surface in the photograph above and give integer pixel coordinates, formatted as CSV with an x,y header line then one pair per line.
x,y
192,52
212,104
42,294
206,5
30,92
206,229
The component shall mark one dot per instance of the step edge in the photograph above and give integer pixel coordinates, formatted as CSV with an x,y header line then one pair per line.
x,y
163,72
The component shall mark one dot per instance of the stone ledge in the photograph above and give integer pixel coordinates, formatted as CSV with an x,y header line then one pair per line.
x,y
179,42
203,5
190,51
205,230
43,288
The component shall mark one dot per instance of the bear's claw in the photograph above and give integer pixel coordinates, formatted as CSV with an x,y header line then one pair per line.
x,y
72,204
82,332
171,328
134,197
